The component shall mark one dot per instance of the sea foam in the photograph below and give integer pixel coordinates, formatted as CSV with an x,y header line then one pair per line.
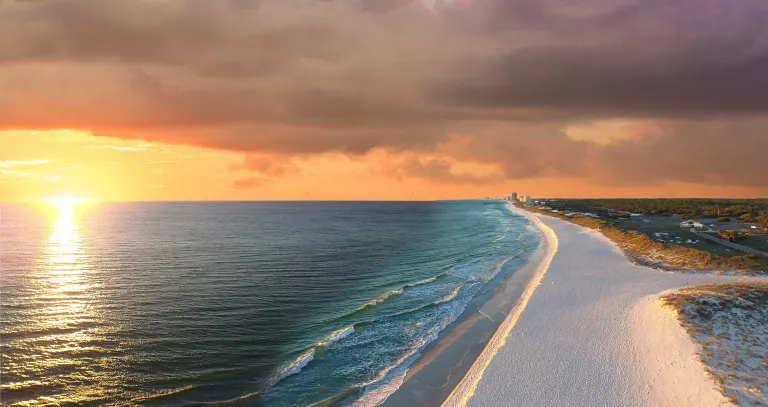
x,y
381,386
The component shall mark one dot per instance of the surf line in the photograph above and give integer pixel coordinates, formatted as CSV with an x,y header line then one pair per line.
x,y
465,390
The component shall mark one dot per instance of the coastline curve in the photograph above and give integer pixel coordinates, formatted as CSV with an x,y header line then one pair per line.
x,y
589,336
464,391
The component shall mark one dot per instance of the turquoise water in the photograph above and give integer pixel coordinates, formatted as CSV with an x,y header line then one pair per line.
x,y
274,304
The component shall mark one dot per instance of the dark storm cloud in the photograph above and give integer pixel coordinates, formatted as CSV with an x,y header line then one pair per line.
x,y
647,57
703,152
620,81
303,77
713,153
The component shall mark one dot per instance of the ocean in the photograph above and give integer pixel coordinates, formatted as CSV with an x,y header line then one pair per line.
x,y
248,303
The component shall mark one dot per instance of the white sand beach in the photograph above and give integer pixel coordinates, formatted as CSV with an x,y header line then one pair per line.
x,y
590,331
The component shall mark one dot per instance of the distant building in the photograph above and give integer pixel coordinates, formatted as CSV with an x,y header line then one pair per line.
x,y
513,197
527,199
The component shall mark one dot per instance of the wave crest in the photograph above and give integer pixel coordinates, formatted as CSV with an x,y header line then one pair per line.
x,y
338,335
380,299
451,296
294,366
425,281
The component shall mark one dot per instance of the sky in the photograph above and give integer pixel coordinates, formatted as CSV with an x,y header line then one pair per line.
x,y
382,99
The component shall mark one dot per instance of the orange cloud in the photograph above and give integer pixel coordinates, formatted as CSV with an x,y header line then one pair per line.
x,y
382,98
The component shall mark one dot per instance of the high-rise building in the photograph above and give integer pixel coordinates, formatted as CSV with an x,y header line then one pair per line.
x,y
513,198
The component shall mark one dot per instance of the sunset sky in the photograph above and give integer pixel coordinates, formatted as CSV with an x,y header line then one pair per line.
x,y
382,99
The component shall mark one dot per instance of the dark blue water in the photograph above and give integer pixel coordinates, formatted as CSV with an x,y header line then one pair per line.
x,y
275,304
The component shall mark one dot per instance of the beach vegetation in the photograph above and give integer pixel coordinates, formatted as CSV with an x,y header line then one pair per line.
x,y
682,208
762,220
730,324
643,250
747,218
730,235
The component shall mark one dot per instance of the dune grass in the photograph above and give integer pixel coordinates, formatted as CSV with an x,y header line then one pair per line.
x,y
643,250
730,324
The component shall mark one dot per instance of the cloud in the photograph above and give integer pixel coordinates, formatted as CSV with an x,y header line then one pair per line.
x,y
703,152
268,166
713,153
462,83
117,148
438,169
627,58
250,182
19,163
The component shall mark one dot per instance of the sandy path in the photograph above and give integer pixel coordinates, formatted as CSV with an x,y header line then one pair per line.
x,y
593,334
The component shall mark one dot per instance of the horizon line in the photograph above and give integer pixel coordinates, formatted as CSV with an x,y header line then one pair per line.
x,y
380,200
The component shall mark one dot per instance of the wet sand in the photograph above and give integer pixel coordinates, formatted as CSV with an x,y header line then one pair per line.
x,y
446,361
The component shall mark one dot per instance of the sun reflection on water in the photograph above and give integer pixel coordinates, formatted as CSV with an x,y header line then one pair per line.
x,y
50,343
66,258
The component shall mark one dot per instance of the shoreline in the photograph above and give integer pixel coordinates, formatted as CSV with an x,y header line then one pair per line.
x,y
588,335
445,363
464,391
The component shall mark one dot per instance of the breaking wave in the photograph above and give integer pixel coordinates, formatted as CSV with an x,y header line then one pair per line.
x,y
398,291
293,367
337,336
381,386
303,360
425,281
451,296
380,299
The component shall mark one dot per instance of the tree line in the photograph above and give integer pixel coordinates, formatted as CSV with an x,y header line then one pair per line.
x,y
746,210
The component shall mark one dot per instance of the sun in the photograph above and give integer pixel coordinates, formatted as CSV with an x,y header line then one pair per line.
x,y
66,204
65,200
